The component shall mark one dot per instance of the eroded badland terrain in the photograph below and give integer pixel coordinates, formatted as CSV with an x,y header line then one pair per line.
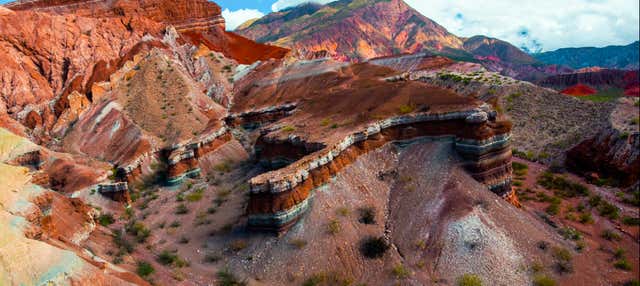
x,y
143,144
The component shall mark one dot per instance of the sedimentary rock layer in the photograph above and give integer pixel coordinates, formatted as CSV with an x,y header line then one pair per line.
x,y
278,198
183,160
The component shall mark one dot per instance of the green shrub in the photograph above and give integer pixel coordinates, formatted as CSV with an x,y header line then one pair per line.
x,y
469,280
623,264
586,218
139,230
226,278
374,247
144,269
106,219
288,128
343,211
570,233
334,227
367,215
610,235
170,258
608,210
561,186
400,272
406,108
519,169
327,279
553,209
543,280
563,259
223,167
631,220
195,195
182,209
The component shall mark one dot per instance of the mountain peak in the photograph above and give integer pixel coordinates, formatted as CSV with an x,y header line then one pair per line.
x,y
352,29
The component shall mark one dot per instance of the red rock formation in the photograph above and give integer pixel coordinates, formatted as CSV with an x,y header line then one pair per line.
x,y
579,90
610,155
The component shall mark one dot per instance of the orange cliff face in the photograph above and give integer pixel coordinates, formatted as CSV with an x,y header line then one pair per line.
x,y
65,46
199,21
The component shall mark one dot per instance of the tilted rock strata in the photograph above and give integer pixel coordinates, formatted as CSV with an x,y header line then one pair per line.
x,y
184,15
251,119
183,160
279,198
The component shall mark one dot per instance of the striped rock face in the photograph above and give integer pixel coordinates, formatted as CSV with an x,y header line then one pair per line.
x,y
279,199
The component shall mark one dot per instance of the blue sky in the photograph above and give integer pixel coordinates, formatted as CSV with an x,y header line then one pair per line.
x,y
529,24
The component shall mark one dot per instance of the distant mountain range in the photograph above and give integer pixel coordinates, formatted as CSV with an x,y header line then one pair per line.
x,y
612,57
363,29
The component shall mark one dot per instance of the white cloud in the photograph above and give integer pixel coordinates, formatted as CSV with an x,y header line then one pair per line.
x,y
534,24
546,24
281,4
237,17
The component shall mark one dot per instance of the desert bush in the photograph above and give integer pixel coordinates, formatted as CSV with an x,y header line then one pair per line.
x,y
561,186
327,279
334,227
586,218
367,215
519,169
563,260
570,233
223,167
406,108
169,258
106,219
610,235
608,210
182,209
226,278
469,280
343,211
374,247
623,264
288,128
144,269
631,220
195,195
543,280
139,230
400,272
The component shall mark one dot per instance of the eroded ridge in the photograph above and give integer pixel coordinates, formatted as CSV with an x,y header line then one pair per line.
x,y
183,159
279,198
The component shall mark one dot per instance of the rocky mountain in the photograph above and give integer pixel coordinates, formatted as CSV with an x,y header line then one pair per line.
x,y
352,30
358,30
611,57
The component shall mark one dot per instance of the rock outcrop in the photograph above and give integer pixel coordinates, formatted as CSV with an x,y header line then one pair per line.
x,y
183,159
278,199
